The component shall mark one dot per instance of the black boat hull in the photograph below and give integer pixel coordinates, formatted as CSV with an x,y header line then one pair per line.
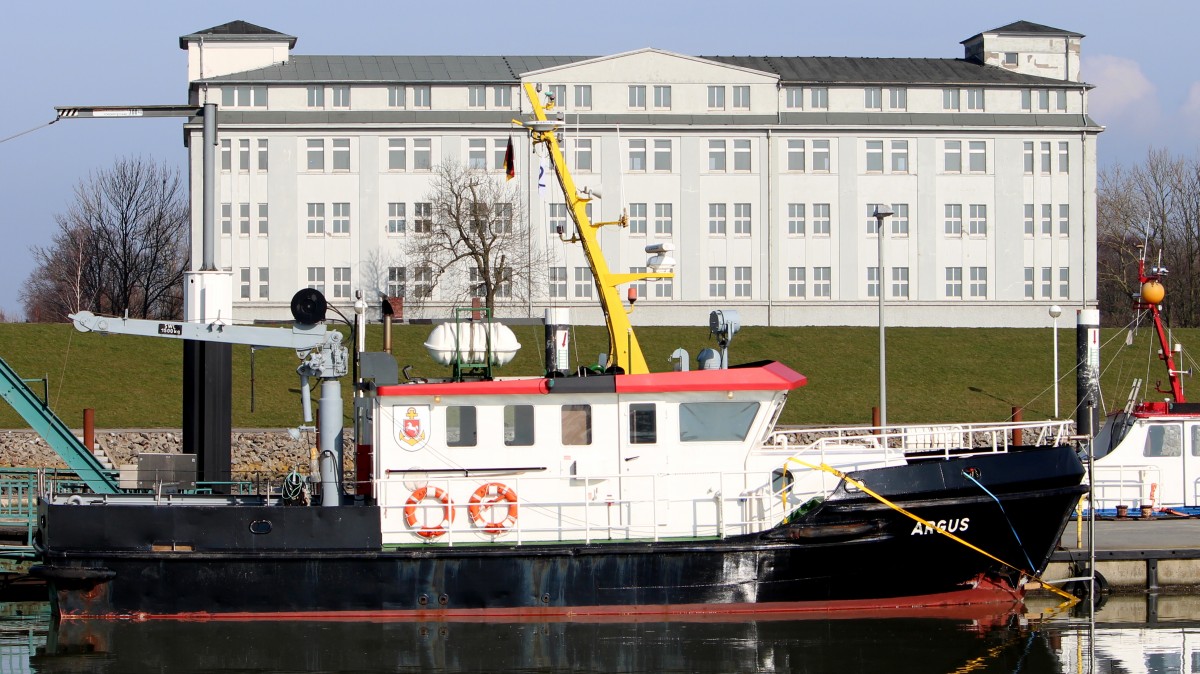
x,y
851,552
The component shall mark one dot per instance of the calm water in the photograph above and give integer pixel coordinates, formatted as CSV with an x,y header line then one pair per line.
x,y
1131,635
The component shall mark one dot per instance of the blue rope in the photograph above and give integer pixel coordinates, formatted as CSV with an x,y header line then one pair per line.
x,y
1032,568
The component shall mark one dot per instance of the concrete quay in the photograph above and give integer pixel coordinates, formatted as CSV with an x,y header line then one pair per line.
x,y
1159,554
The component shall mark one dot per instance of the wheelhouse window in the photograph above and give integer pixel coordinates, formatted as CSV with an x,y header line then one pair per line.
x,y
643,425
1163,440
577,424
518,425
715,422
461,430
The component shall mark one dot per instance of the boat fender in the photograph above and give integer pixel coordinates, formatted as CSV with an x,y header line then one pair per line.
x,y
487,496
72,574
410,511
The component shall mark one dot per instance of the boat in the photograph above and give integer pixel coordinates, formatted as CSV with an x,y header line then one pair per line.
x,y
606,491
1142,457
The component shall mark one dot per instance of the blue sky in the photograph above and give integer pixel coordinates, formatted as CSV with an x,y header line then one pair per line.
x,y
125,52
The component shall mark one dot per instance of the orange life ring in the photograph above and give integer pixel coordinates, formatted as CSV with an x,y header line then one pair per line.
x,y
410,511
487,496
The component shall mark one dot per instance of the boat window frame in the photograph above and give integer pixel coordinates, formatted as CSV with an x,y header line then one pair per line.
x,y
643,423
467,424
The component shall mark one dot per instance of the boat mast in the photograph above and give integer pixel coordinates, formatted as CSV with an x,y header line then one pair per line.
x,y
1150,298
624,351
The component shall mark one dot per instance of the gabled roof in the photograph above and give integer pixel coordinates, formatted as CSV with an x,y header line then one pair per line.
x,y
649,50
239,30
1025,28
828,70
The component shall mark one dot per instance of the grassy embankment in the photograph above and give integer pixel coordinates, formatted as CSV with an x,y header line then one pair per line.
x,y
934,375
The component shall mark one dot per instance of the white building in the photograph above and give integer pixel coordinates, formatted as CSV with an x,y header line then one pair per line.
x,y
763,172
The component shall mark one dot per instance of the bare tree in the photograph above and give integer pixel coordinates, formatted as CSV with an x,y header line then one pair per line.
x,y
121,246
476,243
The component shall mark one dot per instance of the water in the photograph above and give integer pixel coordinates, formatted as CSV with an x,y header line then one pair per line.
x,y
1131,635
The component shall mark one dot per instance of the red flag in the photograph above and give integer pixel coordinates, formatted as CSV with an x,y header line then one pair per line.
x,y
510,166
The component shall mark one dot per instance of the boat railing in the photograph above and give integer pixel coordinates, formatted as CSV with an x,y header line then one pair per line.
x,y
1130,485
652,507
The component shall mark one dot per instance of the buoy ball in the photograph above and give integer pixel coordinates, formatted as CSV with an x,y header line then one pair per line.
x,y
1153,292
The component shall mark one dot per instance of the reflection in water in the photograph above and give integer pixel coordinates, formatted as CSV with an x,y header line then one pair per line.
x,y
963,642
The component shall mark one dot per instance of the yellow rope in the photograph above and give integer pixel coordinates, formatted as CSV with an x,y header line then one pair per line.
x,y
830,469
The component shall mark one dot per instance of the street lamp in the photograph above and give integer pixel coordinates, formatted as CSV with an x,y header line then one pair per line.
x,y
1055,312
881,212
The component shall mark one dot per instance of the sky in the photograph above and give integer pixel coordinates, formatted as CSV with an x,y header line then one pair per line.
x,y
122,52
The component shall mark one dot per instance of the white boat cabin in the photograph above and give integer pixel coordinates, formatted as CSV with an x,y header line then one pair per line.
x,y
1148,458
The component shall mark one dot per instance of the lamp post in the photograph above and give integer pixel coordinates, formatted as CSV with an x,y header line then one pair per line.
x,y
1055,312
881,211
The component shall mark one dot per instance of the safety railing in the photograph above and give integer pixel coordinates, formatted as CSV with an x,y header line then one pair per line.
x,y
1131,485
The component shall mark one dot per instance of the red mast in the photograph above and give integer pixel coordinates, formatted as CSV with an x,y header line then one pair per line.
x,y
1150,298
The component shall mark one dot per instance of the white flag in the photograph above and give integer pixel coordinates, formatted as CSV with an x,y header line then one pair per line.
x,y
543,176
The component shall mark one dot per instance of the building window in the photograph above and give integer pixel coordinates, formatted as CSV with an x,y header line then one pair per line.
x,y
977,159
316,96
1064,157
662,96
262,219
796,282
583,97
1046,283
743,281
899,156
558,94
1028,157
716,97
395,96
421,97
637,154
872,281
422,154
637,97
422,217
664,223
341,282
226,218
262,155
557,214
1060,97
558,283
820,160
476,96
1046,158
397,151
1064,219
716,155
793,98
1029,224
477,154
583,283
341,96
226,155
872,223
741,219
639,287
900,220
502,218
244,219
873,98
1047,217
950,99
741,97
316,279
663,289
821,220
397,220
502,97
316,219
954,282
637,219
875,156
716,282
341,218
795,154
795,219
716,219
822,282
978,221
1064,283
975,100
953,156
900,282
953,220
316,154
264,283
897,99
244,97
423,283
819,97
395,282
662,154
583,155
1010,58
1029,283
244,285
244,155
741,155
341,154
979,282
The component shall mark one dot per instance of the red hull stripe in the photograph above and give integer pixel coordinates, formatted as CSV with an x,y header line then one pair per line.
x,y
770,377
983,600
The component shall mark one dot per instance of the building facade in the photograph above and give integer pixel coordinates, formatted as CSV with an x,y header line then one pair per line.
x,y
763,172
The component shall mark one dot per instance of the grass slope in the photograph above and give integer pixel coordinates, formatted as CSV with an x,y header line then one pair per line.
x,y
934,375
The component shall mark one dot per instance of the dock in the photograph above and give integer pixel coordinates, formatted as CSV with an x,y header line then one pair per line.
x,y
1157,554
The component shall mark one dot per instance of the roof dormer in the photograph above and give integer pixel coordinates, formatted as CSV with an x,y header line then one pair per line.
x,y
1028,48
234,47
